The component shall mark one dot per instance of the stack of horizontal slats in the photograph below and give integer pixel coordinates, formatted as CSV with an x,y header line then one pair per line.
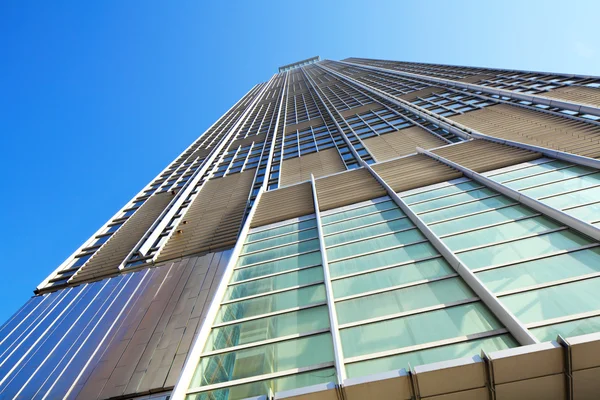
x,y
347,188
299,169
576,94
401,143
285,203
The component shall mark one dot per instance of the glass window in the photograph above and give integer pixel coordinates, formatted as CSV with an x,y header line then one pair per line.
x,y
280,240
520,249
311,223
564,186
427,356
417,329
530,170
300,261
270,303
282,356
589,213
443,191
302,321
382,259
283,251
453,199
555,301
368,245
550,176
567,329
544,270
574,198
361,221
368,231
465,209
401,300
295,278
402,275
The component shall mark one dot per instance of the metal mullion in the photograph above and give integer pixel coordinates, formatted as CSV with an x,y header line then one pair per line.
x,y
269,314
274,259
271,275
391,266
404,314
558,282
556,214
263,342
425,346
397,287
458,204
335,332
534,258
490,225
368,253
366,225
256,378
507,318
333,246
528,236
272,292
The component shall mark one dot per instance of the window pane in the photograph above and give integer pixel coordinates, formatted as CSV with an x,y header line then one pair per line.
x,y
536,169
265,359
461,187
465,209
454,199
279,252
391,277
501,232
356,212
589,213
275,302
548,177
303,260
302,321
436,354
574,198
401,300
381,242
382,259
295,278
475,221
311,223
360,221
559,187
518,250
541,271
567,329
555,301
368,231
289,238
417,329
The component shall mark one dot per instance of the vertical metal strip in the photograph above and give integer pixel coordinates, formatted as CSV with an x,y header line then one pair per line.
x,y
193,357
335,331
551,212
514,326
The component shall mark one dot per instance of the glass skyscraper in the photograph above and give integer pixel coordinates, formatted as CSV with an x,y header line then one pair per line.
x,y
357,229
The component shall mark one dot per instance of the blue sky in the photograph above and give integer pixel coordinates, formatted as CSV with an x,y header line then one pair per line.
x,y
98,97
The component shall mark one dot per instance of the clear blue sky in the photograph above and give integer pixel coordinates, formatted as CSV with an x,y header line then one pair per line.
x,y
96,97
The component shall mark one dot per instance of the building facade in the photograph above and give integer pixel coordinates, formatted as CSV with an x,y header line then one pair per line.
x,y
347,230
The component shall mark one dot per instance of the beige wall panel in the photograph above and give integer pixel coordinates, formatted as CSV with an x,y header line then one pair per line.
x,y
401,143
213,219
552,387
586,384
285,203
576,94
414,171
108,258
475,394
482,155
536,128
299,169
347,188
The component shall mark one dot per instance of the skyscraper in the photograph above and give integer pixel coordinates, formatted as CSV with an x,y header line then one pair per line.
x,y
347,230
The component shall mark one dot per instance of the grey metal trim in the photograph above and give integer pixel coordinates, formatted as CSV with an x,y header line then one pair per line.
x,y
263,342
424,346
398,265
566,219
257,378
403,314
335,332
396,287
520,333
567,105
269,314
549,284
254,296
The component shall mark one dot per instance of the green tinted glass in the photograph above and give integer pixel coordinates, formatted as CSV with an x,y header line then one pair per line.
x,y
567,329
453,199
486,218
356,212
301,261
368,231
280,240
278,252
310,223
368,245
443,191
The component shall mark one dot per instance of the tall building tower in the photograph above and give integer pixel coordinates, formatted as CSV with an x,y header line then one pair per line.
x,y
357,229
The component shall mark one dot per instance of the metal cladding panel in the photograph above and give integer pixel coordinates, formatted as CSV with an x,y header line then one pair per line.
x,y
119,336
414,171
347,188
401,143
299,169
576,94
482,155
213,220
535,128
108,258
282,204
